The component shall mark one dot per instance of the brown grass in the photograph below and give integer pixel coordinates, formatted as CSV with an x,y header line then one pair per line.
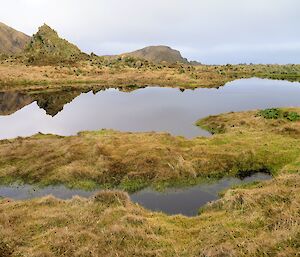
x,y
262,220
251,220
103,73
133,160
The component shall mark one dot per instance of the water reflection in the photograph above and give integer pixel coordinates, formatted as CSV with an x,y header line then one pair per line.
x,y
185,201
149,109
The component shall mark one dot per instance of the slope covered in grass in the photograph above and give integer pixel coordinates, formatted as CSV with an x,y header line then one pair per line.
x,y
11,40
158,54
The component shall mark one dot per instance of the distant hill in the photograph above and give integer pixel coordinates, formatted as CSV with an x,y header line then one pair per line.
x,y
158,54
47,47
11,40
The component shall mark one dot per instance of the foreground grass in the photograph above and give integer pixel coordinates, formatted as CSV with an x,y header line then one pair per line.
x,y
247,142
126,72
260,219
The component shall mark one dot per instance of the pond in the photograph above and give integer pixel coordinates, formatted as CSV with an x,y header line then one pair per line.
x,y
146,109
186,201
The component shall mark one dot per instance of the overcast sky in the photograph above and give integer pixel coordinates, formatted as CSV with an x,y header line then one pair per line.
x,y
210,31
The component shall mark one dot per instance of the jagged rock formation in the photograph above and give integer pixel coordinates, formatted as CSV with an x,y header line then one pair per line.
x,y
46,47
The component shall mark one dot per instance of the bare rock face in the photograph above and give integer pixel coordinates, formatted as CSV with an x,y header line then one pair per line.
x,y
158,54
11,40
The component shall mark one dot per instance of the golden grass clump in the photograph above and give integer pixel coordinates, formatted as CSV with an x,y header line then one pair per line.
x,y
112,197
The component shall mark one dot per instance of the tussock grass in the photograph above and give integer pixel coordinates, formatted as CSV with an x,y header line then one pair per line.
x,y
130,161
257,221
112,197
261,219
105,71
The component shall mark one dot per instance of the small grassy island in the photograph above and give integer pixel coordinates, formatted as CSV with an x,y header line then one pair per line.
x,y
251,220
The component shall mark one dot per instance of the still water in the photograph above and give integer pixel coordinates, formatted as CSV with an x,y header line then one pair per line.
x,y
146,109
186,201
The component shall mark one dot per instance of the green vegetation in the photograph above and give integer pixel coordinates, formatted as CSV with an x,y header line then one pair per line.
x,y
276,113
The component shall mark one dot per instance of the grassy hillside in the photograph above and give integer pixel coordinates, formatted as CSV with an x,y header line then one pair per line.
x,y
11,40
158,54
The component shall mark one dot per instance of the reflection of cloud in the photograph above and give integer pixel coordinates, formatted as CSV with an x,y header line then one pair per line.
x,y
210,26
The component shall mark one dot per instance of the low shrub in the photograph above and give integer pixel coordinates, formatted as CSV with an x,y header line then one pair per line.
x,y
275,113
272,113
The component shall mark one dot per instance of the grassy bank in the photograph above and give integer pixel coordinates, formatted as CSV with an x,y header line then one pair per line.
x,y
261,219
244,143
102,72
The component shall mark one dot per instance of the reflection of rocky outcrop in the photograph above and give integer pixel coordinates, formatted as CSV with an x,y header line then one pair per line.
x,y
11,102
51,102
54,102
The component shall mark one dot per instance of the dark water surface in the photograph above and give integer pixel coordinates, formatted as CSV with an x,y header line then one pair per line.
x,y
186,201
147,109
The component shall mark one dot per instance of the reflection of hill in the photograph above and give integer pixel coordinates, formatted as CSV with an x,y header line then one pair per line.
x,y
51,102
11,102
54,102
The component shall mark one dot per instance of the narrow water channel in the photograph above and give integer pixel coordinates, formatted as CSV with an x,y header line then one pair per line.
x,y
186,201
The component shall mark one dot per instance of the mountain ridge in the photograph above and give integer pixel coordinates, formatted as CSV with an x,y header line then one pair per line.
x,y
158,54
47,47
12,41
